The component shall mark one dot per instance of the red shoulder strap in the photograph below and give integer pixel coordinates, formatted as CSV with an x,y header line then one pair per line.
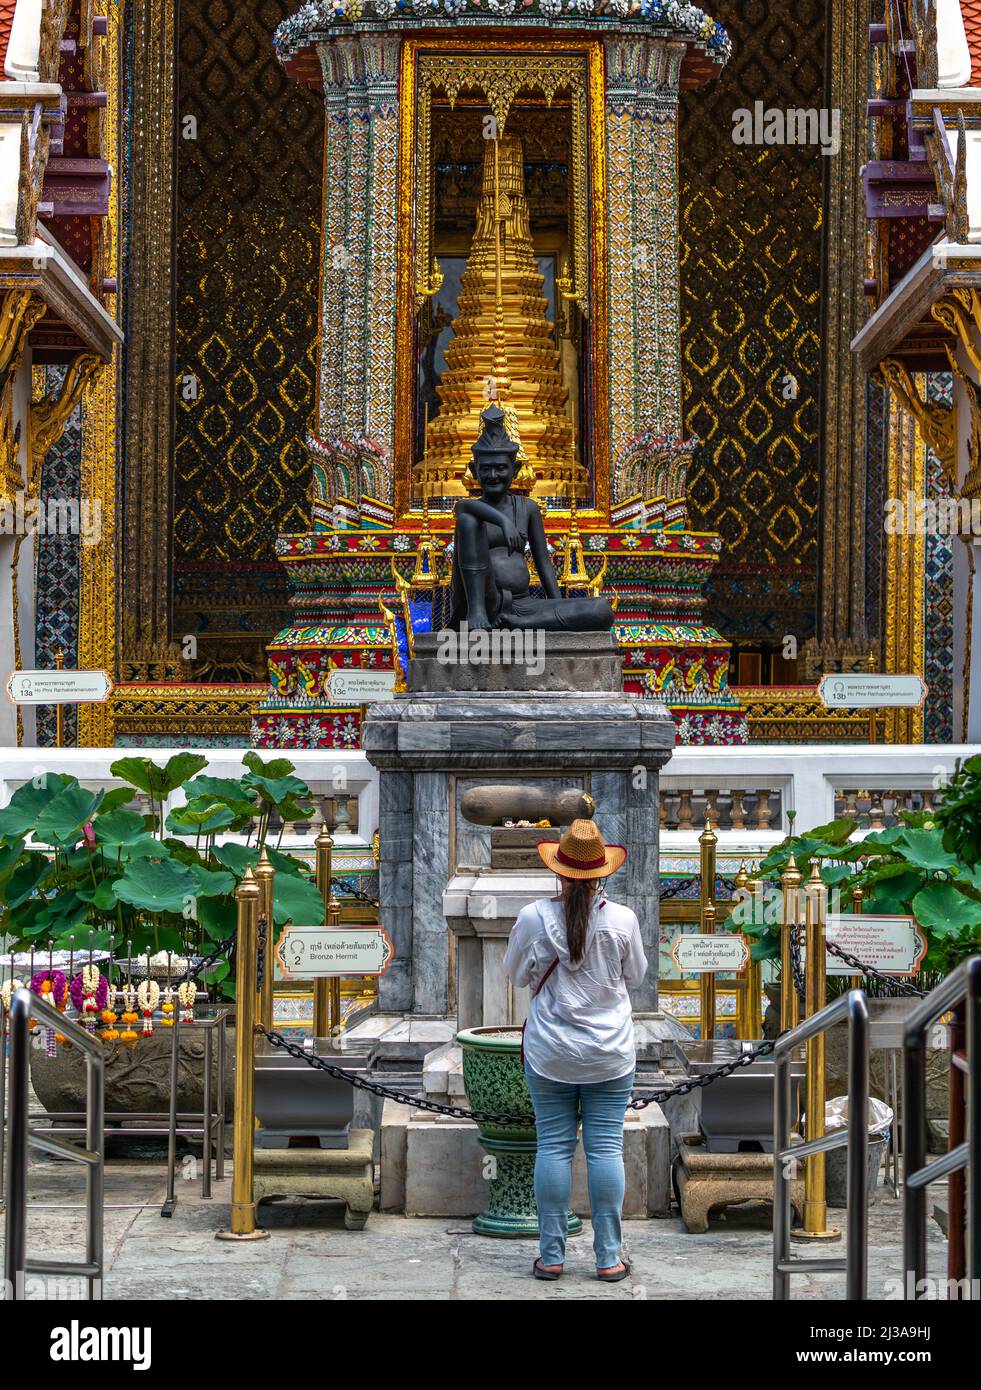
x,y
548,972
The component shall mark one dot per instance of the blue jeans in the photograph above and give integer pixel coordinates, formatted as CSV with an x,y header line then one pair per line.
x,y
557,1109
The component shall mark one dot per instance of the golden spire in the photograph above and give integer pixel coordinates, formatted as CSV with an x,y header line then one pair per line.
x,y
574,572
503,347
424,575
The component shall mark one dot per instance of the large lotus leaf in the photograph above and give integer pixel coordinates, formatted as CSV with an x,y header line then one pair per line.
x,y
238,858
9,855
285,863
157,885
217,918
297,900
276,790
924,849
275,767
119,828
26,879
102,898
62,819
200,817
96,941
116,798
836,832
212,883
64,914
882,841
943,909
29,801
221,789
157,781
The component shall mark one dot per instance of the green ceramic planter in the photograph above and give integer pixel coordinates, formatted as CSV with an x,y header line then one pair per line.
x,y
494,1080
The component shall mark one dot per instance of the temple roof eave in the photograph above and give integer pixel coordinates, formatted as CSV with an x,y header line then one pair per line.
x,y
903,326
49,272
707,55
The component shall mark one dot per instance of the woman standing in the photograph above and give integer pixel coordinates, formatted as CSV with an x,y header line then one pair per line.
x,y
578,953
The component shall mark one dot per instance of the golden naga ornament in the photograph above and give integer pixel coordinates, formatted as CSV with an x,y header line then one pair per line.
x,y
502,349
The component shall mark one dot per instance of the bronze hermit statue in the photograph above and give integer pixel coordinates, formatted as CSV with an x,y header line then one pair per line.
x,y
491,581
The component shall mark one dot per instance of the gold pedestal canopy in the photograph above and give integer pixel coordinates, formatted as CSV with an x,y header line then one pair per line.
x,y
530,383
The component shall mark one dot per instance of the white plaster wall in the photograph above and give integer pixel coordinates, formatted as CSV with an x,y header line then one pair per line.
x,y
9,175
25,42
953,54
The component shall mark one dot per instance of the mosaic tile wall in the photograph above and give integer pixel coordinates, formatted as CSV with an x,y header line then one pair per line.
x,y
58,567
938,716
248,234
750,280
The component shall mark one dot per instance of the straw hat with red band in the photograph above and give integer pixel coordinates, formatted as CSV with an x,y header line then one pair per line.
x,y
582,853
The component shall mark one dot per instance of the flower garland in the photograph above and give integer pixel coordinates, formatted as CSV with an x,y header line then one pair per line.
x,y
148,997
186,994
7,991
129,1014
89,993
53,986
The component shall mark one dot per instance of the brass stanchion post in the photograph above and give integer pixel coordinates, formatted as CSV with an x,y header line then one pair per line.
x,y
334,920
324,845
242,1222
707,842
751,1015
790,882
858,898
265,876
815,1225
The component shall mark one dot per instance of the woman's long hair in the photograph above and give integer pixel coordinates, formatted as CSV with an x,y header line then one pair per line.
x,y
577,899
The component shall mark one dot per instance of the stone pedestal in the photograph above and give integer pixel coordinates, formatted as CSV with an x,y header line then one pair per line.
x,y
707,1182
342,1174
436,1166
432,745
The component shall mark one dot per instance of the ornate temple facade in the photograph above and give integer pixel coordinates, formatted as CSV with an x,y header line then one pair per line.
x,y
261,268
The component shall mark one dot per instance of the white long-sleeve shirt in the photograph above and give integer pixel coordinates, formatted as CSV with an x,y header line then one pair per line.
x,y
580,1025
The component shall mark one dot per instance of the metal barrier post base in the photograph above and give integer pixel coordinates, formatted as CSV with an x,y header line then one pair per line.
x,y
255,1234
828,1236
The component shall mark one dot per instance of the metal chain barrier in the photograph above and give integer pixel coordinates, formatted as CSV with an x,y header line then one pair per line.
x,y
223,949
893,984
460,1112
262,928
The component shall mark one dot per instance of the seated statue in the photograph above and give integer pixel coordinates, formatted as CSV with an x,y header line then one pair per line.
x,y
491,581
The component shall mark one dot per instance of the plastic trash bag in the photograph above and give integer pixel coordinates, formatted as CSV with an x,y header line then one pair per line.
x,y
836,1115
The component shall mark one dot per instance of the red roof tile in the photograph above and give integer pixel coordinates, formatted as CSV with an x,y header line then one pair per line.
x,y
971,10
7,8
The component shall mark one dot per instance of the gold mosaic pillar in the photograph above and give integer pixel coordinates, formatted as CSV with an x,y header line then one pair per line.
x,y
330,396
642,84
841,605
357,339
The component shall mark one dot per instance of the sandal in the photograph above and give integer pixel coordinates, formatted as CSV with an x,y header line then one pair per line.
x,y
540,1272
616,1276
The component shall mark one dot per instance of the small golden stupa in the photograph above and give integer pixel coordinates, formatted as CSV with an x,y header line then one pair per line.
x,y
502,348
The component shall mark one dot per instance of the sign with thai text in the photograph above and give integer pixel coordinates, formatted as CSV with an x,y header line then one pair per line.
x,y
870,690
356,687
331,952
59,687
704,953
892,945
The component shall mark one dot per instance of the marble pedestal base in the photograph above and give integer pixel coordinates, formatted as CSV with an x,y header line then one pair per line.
x,y
431,746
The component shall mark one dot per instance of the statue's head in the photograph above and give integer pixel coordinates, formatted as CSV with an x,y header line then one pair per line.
x,y
494,455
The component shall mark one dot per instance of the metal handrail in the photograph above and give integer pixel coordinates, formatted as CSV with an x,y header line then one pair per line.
x,y
854,1007
23,1007
961,988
